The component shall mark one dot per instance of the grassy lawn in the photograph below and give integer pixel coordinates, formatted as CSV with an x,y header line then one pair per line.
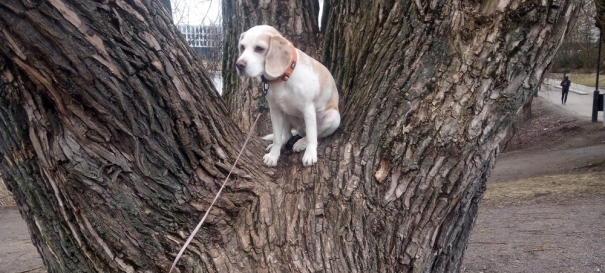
x,y
583,79
546,187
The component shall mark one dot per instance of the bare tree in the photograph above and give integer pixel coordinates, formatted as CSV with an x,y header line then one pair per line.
x,y
578,51
114,142
600,14
196,12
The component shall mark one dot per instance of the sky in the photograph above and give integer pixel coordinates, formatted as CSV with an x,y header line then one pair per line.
x,y
202,12
196,12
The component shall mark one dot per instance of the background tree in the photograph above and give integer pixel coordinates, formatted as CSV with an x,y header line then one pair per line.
x,y
600,14
579,49
113,140
202,28
600,17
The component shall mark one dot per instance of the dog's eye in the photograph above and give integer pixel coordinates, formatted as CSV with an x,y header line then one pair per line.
x,y
242,48
259,49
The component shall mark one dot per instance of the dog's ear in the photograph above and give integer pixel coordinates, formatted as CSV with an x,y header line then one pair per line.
x,y
241,36
278,57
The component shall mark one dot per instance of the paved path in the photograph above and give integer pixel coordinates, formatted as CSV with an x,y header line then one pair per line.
x,y
571,153
17,253
579,100
533,163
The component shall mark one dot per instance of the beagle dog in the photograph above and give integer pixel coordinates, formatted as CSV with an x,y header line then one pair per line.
x,y
302,93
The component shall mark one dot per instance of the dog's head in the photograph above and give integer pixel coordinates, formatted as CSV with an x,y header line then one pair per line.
x,y
263,51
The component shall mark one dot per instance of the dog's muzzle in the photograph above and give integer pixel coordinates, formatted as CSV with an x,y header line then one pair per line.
x,y
241,66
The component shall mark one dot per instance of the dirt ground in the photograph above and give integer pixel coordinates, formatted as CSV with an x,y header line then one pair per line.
x,y
542,237
544,209
17,253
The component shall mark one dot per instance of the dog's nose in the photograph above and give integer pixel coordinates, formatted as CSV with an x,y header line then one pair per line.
x,y
241,64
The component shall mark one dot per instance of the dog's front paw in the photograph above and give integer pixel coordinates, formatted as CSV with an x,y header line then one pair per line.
x,y
300,145
310,157
270,160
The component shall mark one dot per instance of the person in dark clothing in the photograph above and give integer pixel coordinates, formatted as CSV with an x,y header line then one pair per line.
x,y
565,85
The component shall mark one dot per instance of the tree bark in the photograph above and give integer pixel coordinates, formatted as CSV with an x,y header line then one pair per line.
x,y
431,88
296,20
168,6
113,138
114,142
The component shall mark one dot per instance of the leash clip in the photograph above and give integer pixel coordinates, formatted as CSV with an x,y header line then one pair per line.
x,y
263,102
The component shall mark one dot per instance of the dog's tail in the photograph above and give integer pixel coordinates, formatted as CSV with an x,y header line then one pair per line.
x,y
269,137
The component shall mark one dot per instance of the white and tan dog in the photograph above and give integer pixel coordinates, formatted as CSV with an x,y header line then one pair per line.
x,y
302,92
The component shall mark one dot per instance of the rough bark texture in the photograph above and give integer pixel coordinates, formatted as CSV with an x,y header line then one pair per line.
x,y
114,142
432,87
296,20
112,137
168,6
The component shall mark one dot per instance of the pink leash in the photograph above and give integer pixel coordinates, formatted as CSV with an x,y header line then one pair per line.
x,y
178,257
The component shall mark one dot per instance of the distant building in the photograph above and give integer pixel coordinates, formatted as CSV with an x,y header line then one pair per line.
x,y
203,39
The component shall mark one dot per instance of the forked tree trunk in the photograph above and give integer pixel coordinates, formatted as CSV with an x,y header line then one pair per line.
x,y
114,142
600,16
296,20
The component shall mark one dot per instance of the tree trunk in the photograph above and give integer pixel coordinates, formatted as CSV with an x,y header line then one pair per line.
x,y
600,16
168,7
600,22
431,89
113,138
296,20
114,141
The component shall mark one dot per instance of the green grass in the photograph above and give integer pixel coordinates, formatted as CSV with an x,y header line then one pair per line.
x,y
583,79
548,187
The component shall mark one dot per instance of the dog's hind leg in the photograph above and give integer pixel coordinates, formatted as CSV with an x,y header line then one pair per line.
x,y
327,123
